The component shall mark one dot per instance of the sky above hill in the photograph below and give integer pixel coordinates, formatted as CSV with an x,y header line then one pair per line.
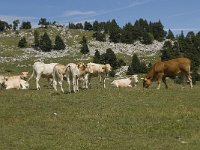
x,y
177,15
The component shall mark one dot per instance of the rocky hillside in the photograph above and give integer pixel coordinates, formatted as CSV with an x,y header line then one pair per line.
x,y
9,52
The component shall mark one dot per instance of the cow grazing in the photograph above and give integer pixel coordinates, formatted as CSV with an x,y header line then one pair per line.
x,y
170,68
127,82
74,73
59,72
97,70
42,70
15,83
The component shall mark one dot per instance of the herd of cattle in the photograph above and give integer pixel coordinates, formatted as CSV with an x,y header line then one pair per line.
x,y
76,73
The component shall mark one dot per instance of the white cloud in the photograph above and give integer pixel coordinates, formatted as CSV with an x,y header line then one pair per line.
x,y
184,29
78,13
10,19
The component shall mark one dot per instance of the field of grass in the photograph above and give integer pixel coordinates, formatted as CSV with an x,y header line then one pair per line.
x,y
98,118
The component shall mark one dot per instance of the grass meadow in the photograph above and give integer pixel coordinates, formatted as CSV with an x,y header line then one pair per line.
x,y
97,118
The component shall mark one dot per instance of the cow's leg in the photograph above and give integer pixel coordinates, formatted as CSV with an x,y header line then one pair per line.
x,y
74,84
50,82
189,78
37,81
55,84
77,86
104,82
69,84
164,81
159,80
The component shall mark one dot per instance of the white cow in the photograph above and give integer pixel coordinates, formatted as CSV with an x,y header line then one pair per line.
x,y
97,70
127,82
74,73
42,70
23,75
16,83
59,72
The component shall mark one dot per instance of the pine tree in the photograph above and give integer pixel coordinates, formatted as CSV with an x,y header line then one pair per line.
x,y
15,24
84,48
136,66
97,57
127,34
114,32
147,38
26,25
87,26
36,39
43,22
170,35
168,52
22,43
59,43
45,43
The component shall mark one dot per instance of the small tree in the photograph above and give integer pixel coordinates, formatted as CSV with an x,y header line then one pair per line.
x,y
43,22
15,24
84,48
97,57
26,25
59,44
22,43
45,43
36,38
136,66
170,35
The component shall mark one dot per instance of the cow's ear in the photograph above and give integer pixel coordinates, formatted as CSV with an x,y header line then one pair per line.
x,y
78,65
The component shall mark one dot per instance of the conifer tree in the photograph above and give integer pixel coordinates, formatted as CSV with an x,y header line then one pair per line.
x,y
170,35
84,47
36,39
45,43
97,57
22,43
59,43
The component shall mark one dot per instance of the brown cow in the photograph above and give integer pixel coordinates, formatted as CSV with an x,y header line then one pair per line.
x,y
170,68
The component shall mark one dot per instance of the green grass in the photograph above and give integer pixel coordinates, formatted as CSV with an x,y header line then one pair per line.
x,y
98,118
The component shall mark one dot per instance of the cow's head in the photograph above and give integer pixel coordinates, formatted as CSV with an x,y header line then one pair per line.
x,y
108,68
146,82
134,79
24,75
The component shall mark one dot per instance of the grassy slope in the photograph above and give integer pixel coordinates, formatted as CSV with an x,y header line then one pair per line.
x,y
96,118
100,118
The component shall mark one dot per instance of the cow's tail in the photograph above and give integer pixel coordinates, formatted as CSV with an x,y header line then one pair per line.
x,y
31,76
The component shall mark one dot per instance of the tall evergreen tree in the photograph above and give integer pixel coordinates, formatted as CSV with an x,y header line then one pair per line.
x,y
87,26
158,31
59,43
15,24
22,43
26,25
168,52
136,66
127,34
114,32
84,47
170,35
36,38
45,43
97,57
43,22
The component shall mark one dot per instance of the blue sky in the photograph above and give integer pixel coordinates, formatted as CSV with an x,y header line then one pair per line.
x,y
176,15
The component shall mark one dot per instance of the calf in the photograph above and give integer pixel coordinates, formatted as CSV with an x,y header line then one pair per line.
x,y
16,83
97,70
42,70
128,82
